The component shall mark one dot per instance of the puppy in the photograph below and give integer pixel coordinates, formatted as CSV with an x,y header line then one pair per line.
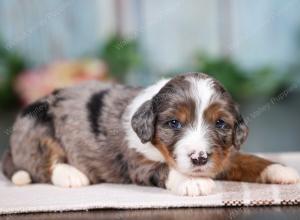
x,y
177,134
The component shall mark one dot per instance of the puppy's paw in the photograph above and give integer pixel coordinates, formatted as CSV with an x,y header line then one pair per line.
x,y
278,174
64,175
195,187
21,178
187,186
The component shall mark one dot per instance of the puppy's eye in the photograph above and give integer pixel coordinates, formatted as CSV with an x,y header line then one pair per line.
x,y
174,124
221,124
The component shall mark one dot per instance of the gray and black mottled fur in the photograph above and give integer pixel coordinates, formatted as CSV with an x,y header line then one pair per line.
x,y
81,126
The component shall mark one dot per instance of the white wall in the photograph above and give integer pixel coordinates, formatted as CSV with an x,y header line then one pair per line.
x,y
53,29
257,32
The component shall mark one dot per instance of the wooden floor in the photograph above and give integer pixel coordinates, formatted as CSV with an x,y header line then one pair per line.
x,y
267,213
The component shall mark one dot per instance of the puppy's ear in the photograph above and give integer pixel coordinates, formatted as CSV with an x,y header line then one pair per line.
x,y
143,121
240,132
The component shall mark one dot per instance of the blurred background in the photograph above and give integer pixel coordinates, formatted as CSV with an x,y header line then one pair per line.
x,y
252,47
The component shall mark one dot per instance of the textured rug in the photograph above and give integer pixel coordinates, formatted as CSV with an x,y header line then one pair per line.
x,y
47,198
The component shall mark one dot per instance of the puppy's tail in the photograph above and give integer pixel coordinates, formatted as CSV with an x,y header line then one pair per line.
x,y
18,177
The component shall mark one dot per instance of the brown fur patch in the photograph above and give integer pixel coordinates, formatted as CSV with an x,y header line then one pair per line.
x,y
220,159
165,151
245,167
185,112
52,153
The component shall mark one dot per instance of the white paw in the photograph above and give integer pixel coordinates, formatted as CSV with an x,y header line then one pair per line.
x,y
279,174
187,186
21,178
65,175
195,187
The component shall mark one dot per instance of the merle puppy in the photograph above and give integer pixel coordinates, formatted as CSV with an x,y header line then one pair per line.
x,y
178,134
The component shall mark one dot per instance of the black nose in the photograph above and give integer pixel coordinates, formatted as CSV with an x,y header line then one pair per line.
x,y
200,160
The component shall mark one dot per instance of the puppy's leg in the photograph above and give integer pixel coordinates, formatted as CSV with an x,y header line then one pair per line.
x,y
33,161
58,172
148,173
159,174
250,168
46,164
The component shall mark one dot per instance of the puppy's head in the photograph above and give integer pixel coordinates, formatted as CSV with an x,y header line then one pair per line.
x,y
193,122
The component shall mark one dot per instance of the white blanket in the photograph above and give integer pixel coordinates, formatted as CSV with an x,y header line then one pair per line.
x,y
48,198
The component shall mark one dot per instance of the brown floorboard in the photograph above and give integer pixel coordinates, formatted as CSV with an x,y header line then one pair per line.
x,y
257,213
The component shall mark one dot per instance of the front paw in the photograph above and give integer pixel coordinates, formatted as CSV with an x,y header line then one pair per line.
x,y
279,174
195,187
187,186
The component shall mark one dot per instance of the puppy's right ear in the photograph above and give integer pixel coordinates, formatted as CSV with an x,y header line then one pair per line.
x,y
143,121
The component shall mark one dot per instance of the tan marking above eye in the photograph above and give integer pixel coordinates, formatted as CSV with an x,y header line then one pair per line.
x,y
218,111
184,113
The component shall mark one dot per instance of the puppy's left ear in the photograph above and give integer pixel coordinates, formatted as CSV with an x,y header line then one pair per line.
x,y
240,132
143,121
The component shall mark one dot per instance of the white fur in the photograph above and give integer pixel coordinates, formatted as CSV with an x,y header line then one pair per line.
x,y
21,178
279,174
195,139
147,149
188,186
64,175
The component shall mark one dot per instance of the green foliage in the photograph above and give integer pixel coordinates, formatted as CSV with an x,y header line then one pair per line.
x,y
11,64
241,83
121,56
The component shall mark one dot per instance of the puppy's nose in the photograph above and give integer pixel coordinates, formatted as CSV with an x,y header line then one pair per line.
x,y
199,159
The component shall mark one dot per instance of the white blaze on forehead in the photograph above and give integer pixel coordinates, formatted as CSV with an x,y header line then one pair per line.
x,y
202,90
196,137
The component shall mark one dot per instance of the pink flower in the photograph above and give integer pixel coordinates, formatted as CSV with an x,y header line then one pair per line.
x,y
34,84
